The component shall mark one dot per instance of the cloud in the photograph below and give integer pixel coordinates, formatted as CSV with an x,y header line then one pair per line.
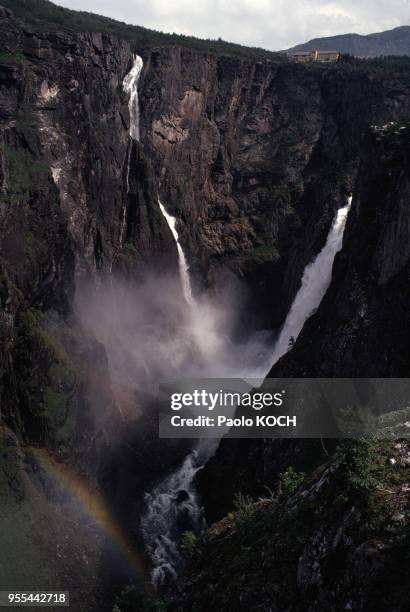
x,y
273,24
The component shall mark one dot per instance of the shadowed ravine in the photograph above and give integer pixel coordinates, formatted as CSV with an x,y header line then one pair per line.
x,y
173,506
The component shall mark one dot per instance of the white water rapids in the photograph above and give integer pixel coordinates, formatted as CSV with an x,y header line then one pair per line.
x,y
173,506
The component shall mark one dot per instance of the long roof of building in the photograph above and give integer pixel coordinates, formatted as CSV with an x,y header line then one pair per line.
x,y
313,50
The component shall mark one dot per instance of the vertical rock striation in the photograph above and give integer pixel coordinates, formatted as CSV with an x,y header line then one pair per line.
x,y
254,158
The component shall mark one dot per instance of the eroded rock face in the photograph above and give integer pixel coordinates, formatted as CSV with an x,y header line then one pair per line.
x,y
51,217
252,157
216,127
361,327
66,89
336,543
255,157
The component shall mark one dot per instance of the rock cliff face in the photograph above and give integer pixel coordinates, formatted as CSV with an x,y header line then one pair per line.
x,y
334,556
63,150
364,313
254,158
336,541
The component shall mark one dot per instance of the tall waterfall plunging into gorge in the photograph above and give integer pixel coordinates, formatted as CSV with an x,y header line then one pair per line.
x,y
174,500
315,281
172,505
130,86
182,262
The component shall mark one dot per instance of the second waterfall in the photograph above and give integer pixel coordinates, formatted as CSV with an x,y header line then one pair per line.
x,y
182,262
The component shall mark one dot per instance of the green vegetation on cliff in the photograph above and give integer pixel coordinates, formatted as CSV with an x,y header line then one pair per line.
x,y
45,387
25,174
338,539
46,15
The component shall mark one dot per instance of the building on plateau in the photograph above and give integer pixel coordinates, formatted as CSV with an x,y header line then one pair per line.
x,y
315,56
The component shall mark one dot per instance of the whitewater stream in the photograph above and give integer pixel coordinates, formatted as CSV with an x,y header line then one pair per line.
x,y
173,505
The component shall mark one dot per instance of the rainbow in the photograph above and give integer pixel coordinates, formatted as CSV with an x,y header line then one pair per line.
x,y
94,505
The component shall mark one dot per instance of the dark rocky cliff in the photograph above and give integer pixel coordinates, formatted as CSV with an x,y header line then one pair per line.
x,y
254,158
338,540
364,313
63,150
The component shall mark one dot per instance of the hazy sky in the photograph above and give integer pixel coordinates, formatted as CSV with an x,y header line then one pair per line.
x,y
273,24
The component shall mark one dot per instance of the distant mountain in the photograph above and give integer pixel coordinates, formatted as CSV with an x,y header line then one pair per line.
x,y
390,42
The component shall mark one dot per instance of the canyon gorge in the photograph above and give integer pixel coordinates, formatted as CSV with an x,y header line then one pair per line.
x,y
166,212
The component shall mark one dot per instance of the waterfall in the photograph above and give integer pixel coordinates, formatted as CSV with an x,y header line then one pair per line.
x,y
130,86
127,189
182,262
174,500
315,281
173,505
